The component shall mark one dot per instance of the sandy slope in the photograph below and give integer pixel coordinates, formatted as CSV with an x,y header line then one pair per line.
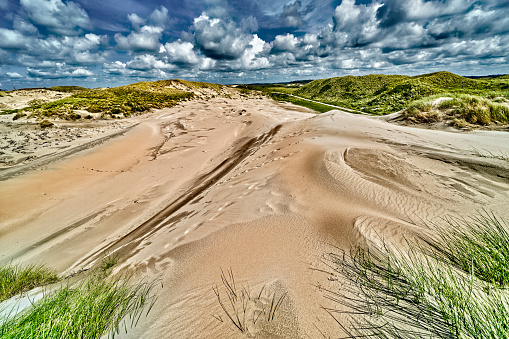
x,y
261,188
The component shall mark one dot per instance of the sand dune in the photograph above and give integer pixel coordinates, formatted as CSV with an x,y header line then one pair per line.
x,y
249,185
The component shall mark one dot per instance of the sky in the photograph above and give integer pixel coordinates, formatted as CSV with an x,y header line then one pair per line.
x,y
106,43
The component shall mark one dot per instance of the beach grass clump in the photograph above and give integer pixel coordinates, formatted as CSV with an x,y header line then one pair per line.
x,y
427,291
16,279
90,309
458,110
479,245
243,308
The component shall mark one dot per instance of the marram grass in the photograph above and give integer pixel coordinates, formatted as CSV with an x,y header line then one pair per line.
x,y
15,279
89,309
454,288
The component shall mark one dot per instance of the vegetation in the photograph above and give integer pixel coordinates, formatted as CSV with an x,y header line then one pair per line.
x,y
451,286
243,308
119,101
459,109
68,88
15,279
297,101
19,115
382,94
90,309
45,123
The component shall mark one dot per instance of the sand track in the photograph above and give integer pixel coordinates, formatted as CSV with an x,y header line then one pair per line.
x,y
251,185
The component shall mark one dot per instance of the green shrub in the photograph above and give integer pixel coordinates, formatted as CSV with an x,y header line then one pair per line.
x,y
46,124
19,115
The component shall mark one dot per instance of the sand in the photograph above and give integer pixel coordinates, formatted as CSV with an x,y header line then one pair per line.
x,y
250,185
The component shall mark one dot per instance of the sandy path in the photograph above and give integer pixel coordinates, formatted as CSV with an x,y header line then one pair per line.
x,y
261,188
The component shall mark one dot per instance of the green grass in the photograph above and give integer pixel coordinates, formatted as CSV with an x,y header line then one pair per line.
x,y
16,279
89,309
383,94
467,108
479,246
297,101
116,102
68,88
453,285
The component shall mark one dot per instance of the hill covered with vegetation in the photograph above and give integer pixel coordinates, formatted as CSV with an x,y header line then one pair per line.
x,y
383,94
118,101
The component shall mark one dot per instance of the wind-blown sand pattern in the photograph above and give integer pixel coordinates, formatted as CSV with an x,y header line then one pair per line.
x,y
251,185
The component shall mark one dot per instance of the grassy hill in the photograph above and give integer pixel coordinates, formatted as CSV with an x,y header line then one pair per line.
x,y
383,94
118,101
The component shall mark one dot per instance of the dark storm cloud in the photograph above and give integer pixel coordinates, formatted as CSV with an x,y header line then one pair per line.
x,y
108,42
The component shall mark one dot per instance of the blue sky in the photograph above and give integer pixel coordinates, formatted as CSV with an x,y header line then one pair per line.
x,y
109,43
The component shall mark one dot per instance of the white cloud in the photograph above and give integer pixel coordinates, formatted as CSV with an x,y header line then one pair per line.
x,y
291,15
287,42
220,39
24,26
14,75
135,20
181,52
355,24
147,37
147,62
58,17
250,60
81,73
10,39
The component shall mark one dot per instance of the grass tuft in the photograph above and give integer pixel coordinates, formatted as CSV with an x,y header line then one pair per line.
x,y
479,245
451,286
16,279
90,309
243,308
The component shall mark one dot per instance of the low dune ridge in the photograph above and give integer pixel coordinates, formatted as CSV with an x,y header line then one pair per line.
x,y
251,189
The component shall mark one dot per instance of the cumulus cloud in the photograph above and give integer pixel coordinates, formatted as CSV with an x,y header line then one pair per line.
x,y
182,52
81,73
220,39
56,16
262,40
147,37
11,39
292,17
355,24
285,43
147,62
